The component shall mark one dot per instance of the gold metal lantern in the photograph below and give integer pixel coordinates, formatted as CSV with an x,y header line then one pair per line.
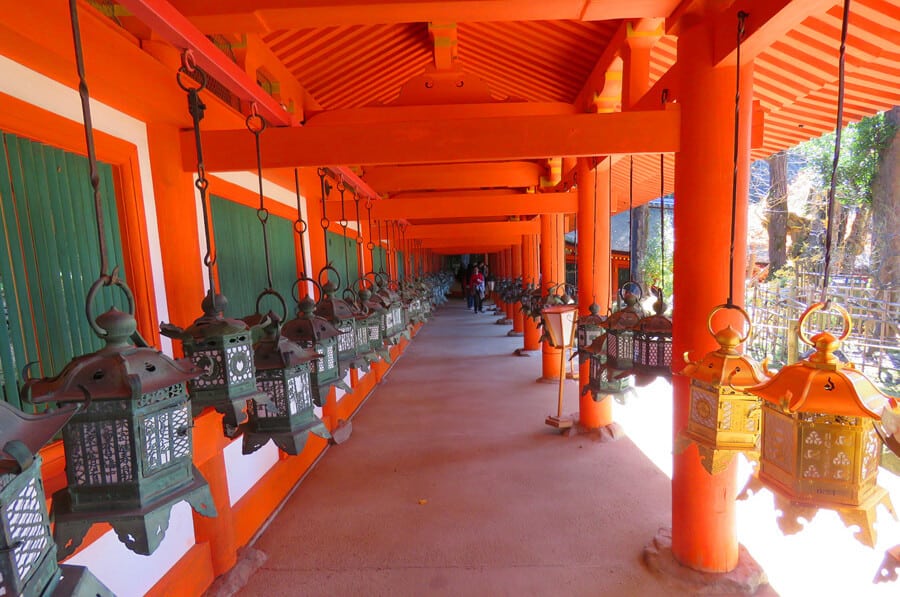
x,y
724,418
820,448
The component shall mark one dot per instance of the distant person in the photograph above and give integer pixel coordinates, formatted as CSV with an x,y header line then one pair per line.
x,y
476,283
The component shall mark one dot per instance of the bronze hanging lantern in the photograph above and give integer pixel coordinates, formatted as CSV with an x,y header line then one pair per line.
x,y
27,552
129,450
620,327
339,313
317,334
221,348
819,447
724,416
284,371
375,316
590,328
653,344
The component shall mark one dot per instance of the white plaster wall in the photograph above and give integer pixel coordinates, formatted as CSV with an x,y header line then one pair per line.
x,y
128,574
244,471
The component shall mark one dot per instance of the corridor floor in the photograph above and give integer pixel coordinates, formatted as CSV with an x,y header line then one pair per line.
x,y
451,484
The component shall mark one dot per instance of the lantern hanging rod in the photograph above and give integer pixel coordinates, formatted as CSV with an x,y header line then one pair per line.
x,y
826,270
166,21
742,17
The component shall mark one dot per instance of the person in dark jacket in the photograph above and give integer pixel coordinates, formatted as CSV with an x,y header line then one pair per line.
x,y
476,283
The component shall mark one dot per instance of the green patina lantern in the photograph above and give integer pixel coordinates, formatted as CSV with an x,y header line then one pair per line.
x,y
27,552
129,449
222,350
374,317
351,352
589,329
316,333
284,371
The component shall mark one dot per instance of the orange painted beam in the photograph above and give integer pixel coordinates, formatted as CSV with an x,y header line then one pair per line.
x,y
466,206
768,21
362,116
387,179
596,81
268,15
479,229
432,142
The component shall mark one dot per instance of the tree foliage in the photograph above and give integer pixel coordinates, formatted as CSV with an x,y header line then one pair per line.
x,y
862,144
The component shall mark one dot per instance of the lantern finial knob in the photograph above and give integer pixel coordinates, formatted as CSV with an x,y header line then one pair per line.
x,y
307,306
213,303
728,339
119,327
825,344
594,309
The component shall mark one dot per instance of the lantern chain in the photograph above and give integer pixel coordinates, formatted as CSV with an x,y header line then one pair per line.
x,y
300,225
370,245
662,224
742,17
106,278
837,151
197,109
611,208
324,222
383,252
343,222
256,124
594,243
631,263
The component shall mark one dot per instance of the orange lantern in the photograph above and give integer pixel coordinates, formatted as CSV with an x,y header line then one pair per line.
x,y
820,447
724,416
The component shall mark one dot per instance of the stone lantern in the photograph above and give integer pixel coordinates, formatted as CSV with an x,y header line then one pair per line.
x,y
820,448
222,350
27,552
284,372
129,449
724,417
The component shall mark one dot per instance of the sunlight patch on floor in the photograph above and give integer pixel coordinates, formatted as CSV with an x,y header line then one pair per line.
x,y
822,559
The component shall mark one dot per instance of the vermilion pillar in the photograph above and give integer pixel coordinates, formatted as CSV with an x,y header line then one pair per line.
x,y
510,308
518,318
593,272
703,511
530,275
552,272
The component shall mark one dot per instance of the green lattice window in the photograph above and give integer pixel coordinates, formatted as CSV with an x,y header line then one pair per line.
x,y
50,257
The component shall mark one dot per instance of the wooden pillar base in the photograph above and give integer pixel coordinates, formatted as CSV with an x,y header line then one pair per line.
x,y
745,579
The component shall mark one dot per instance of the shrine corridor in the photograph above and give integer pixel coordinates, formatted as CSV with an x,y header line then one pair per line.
x,y
451,484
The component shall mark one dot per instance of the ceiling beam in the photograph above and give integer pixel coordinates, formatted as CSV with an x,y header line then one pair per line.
x,y
465,206
768,21
392,179
268,15
443,141
493,231
368,115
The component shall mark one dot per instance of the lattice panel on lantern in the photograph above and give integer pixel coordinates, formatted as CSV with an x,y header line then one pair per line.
x,y
275,389
871,454
389,319
374,332
704,410
303,391
166,437
827,454
28,528
778,442
209,361
100,452
240,363
294,379
330,357
345,340
163,394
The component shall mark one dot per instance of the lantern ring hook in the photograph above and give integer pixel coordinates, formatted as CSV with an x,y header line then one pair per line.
x,y
824,306
737,308
112,279
277,295
369,283
295,289
263,214
325,223
188,87
329,268
300,226
255,122
631,284
354,297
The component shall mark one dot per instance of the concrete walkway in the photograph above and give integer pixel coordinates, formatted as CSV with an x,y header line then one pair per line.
x,y
451,484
